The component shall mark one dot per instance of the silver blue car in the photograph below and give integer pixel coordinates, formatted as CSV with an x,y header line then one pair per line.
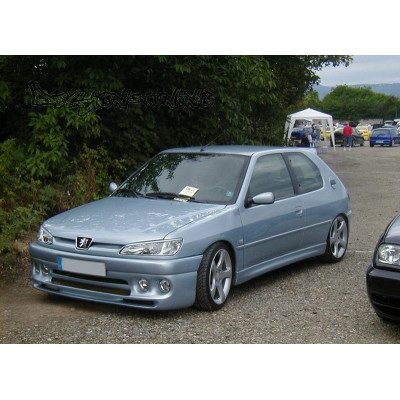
x,y
192,223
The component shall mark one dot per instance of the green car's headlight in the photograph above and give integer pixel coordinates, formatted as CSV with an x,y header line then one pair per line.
x,y
388,254
44,236
158,248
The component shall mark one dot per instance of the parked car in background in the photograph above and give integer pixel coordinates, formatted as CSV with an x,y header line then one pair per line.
x,y
383,274
193,222
385,136
328,134
389,123
298,132
356,136
365,130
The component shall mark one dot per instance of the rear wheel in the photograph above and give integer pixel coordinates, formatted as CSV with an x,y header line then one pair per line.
x,y
214,278
336,242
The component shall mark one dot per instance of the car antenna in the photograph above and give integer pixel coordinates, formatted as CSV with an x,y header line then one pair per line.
x,y
213,140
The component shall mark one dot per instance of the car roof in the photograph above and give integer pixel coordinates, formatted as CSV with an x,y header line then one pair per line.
x,y
231,149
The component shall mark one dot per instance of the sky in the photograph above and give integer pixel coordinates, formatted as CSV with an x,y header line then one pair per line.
x,y
365,69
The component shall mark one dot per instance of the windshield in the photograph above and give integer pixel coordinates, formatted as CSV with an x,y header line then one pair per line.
x,y
200,177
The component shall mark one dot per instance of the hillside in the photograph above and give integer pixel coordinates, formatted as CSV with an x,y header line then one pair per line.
x,y
391,89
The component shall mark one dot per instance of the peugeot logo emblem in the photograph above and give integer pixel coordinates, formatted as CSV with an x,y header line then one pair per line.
x,y
83,243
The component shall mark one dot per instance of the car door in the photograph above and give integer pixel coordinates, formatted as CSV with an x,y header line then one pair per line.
x,y
271,231
396,137
316,202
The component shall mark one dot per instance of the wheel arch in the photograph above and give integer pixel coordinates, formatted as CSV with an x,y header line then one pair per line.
x,y
232,253
212,285
328,256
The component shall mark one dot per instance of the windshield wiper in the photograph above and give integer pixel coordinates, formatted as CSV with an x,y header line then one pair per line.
x,y
171,195
125,192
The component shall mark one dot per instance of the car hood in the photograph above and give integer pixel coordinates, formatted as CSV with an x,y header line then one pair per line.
x,y
392,234
119,220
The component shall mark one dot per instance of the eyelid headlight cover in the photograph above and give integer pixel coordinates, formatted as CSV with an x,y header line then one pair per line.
x,y
155,248
44,236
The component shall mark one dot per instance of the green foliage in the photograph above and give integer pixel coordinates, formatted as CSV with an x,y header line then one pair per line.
x,y
348,103
71,124
311,100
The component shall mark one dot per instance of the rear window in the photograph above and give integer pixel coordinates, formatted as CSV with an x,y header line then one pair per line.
x,y
307,173
382,131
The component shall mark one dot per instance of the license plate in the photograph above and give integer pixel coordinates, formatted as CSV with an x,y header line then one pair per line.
x,y
379,141
82,267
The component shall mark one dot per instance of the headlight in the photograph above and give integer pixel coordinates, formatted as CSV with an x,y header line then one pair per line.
x,y
388,254
44,236
159,248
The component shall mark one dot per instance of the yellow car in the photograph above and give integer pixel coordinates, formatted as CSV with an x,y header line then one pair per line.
x,y
328,134
365,130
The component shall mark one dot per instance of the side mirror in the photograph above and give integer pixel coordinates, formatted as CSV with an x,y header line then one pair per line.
x,y
112,187
264,198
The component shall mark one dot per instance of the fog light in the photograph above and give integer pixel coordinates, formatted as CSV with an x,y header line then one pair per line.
x,y
144,285
165,286
45,270
36,267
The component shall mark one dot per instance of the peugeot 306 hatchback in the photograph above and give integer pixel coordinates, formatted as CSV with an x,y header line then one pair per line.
x,y
192,223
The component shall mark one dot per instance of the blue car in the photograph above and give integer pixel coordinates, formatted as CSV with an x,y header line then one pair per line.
x,y
385,136
192,223
298,132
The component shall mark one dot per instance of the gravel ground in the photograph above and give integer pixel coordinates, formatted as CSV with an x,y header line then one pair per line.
x,y
308,302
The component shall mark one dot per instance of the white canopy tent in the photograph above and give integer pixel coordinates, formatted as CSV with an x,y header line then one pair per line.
x,y
314,116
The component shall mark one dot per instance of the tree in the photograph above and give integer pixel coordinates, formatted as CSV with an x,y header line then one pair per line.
x,y
135,106
349,103
70,124
310,100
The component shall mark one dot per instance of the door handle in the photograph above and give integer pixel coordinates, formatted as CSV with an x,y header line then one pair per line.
x,y
299,213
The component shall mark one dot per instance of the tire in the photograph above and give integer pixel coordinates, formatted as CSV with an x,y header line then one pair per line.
x,y
371,145
336,242
214,278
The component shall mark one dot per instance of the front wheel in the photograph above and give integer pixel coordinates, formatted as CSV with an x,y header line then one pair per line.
x,y
214,278
336,242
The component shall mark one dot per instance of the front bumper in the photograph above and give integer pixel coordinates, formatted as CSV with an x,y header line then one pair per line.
x,y
120,285
383,288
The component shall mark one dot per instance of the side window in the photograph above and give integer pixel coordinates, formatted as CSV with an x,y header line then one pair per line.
x,y
271,175
307,173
